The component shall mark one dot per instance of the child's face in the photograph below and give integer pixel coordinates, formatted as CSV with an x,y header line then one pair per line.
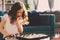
x,y
19,13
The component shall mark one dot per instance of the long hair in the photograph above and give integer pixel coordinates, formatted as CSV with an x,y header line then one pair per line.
x,y
13,12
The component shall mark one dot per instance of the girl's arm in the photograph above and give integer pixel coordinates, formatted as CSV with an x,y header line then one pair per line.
x,y
3,21
19,25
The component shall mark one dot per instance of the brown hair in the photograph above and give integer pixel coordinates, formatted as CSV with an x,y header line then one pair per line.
x,y
13,11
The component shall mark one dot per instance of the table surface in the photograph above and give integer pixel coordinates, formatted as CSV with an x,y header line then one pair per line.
x,y
33,36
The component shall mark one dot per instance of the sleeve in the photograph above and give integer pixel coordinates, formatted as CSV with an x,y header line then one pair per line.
x,y
5,17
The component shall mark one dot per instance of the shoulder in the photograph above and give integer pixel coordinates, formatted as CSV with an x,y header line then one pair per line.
x,y
3,19
5,16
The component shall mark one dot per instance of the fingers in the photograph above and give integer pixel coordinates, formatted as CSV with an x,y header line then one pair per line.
x,y
12,35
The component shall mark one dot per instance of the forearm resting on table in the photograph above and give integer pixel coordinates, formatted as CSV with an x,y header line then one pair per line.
x,y
20,28
3,32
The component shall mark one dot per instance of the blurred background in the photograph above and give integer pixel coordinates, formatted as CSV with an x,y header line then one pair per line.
x,y
42,6
39,5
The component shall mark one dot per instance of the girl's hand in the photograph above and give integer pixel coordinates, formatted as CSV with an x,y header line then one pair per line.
x,y
22,21
25,21
12,35
19,20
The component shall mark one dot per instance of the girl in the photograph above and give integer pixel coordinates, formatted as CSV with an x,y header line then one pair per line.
x,y
12,23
